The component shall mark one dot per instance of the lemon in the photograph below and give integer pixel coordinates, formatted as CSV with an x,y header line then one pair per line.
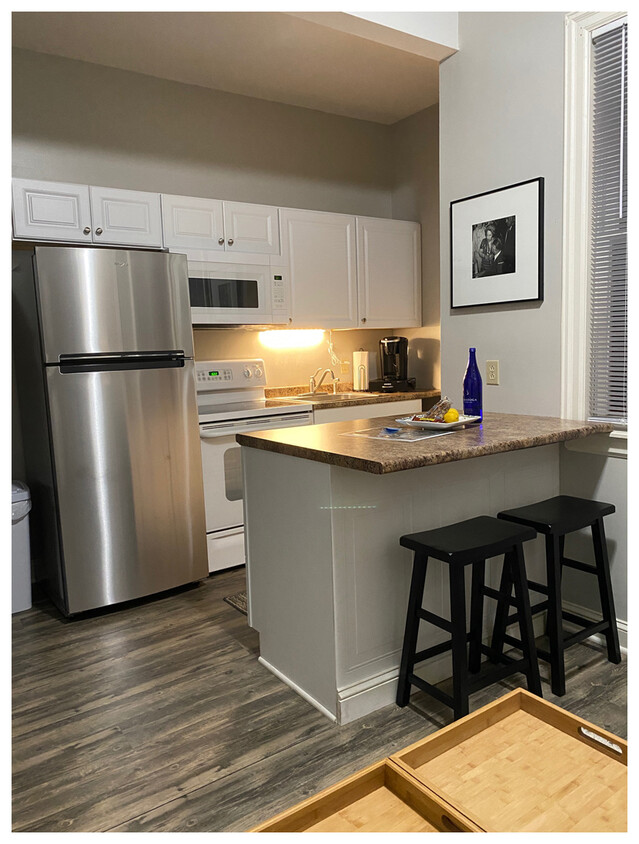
x,y
451,415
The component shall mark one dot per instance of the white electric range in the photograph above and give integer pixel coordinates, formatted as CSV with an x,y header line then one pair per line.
x,y
231,400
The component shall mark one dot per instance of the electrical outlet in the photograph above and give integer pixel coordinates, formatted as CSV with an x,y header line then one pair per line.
x,y
492,372
344,368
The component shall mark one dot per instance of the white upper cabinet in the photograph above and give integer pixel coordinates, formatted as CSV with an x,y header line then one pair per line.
x,y
191,222
219,226
388,273
344,271
83,214
251,228
51,211
126,217
320,251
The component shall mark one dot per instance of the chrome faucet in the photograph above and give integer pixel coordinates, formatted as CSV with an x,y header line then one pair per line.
x,y
314,386
311,383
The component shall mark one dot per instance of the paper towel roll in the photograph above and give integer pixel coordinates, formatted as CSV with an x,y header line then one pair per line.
x,y
360,370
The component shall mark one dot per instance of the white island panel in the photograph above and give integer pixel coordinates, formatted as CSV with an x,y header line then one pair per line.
x,y
329,581
290,571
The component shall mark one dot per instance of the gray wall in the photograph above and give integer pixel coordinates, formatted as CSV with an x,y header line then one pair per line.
x,y
603,479
80,122
501,122
416,197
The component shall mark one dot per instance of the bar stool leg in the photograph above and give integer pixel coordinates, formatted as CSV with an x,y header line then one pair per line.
x,y
605,590
562,542
458,625
476,615
412,627
501,613
555,624
526,633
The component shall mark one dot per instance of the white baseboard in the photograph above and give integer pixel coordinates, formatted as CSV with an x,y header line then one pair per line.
x,y
360,699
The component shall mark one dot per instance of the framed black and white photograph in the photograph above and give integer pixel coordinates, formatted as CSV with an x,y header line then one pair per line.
x,y
497,246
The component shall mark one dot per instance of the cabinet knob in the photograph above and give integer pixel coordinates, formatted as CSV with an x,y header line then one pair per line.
x,y
290,319
220,240
86,230
363,319
98,231
230,241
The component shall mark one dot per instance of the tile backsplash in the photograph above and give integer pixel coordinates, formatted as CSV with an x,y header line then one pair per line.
x,y
286,367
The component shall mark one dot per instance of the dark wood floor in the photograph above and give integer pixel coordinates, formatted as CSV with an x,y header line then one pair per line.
x,y
157,717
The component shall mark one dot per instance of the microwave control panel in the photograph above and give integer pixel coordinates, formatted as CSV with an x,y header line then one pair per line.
x,y
279,292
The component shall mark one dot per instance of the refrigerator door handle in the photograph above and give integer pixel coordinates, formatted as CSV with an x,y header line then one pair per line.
x,y
114,363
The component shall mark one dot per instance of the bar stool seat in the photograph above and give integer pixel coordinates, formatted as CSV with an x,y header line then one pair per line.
x,y
468,543
555,518
559,515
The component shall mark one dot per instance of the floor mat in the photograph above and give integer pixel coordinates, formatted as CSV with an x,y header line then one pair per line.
x,y
238,601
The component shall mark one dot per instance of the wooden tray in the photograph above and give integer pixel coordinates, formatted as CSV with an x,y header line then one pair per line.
x,y
381,798
522,764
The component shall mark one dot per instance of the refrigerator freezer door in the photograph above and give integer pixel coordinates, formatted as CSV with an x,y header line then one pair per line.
x,y
129,482
112,300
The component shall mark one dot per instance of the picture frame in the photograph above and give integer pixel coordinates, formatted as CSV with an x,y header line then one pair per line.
x,y
497,246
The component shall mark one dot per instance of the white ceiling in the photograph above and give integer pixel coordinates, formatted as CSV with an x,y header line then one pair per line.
x,y
271,55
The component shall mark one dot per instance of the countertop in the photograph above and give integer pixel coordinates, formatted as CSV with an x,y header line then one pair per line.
x,y
286,394
334,444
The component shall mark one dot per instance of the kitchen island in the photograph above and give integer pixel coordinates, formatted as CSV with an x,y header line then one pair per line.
x,y
325,505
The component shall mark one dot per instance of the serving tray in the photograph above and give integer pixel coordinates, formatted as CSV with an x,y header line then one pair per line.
x,y
438,426
522,764
381,798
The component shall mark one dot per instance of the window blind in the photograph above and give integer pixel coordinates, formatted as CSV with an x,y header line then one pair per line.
x,y
608,339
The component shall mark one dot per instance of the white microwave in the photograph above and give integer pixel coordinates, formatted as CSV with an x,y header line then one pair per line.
x,y
232,293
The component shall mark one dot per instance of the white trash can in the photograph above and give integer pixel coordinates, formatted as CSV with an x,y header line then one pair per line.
x,y
20,547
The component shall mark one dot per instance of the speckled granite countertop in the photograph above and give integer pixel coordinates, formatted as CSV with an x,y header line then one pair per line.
x,y
499,432
282,395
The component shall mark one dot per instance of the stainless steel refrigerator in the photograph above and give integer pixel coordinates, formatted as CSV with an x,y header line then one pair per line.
x,y
104,372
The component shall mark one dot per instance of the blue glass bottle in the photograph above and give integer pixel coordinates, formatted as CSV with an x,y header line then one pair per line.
x,y
472,387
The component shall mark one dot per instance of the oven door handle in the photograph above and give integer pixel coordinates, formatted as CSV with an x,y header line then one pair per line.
x,y
221,429
216,433
209,432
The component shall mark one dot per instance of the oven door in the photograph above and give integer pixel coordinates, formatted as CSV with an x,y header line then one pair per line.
x,y
230,294
223,488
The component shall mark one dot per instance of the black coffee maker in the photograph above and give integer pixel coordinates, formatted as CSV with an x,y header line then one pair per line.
x,y
393,364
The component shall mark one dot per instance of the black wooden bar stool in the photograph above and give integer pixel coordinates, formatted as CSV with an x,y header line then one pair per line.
x,y
556,517
467,543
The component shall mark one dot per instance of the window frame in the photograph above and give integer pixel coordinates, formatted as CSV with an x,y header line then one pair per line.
x,y
579,27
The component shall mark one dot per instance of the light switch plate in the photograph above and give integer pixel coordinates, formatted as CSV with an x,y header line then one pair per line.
x,y
492,372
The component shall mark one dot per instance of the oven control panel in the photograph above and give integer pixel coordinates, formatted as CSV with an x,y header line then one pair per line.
x,y
229,374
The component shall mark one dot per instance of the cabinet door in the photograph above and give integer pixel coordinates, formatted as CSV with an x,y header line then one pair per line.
x,y
320,251
191,222
126,217
251,228
389,273
51,211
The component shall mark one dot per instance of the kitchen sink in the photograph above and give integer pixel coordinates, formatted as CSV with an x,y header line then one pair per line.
x,y
332,397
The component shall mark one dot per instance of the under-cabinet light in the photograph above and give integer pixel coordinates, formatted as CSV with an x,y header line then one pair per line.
x,y
291,338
